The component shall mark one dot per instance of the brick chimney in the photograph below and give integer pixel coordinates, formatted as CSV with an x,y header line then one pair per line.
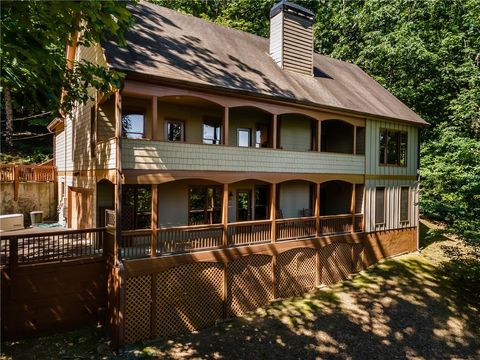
x,y
291,37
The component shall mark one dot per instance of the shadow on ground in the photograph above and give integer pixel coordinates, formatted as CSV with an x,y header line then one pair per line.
x,y
402,308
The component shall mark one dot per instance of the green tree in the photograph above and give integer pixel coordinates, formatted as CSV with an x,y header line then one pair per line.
x,y
34,36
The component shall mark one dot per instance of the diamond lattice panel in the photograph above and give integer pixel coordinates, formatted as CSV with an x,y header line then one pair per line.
x,y
188,298
296,272
250,283
137,308
336,262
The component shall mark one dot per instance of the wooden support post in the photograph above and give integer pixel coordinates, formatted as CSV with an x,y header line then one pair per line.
x,y
118,174
154,221
354,139
352,208
273,212
319,136
226,124
274,131
154,118
16,181
317,209
225,215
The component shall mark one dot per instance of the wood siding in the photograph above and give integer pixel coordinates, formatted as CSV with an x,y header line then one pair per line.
x,y
392,204
297,44
372,143
276,44
157,155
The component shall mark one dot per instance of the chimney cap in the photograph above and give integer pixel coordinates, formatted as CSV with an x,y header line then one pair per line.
x,y
291,8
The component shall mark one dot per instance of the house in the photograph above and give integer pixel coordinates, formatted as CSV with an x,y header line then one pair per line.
x,y
235,169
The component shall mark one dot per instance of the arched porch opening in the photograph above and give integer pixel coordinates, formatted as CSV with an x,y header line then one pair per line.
x,y
335,198
337,137
250,127
105,201
297,132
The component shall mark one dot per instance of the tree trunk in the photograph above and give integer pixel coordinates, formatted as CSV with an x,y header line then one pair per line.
x,y
9,112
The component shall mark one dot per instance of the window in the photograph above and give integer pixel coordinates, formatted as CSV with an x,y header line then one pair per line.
x,y
243,137
261,136
212,131
136,207
380,206
393,147
204,205
174,130
133,125
244,205
261,202
404,204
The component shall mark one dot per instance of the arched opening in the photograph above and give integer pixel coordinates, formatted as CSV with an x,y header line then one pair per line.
x,y
297,132
189,202
295,198
335,198
337,137
249,200
105,200
250,127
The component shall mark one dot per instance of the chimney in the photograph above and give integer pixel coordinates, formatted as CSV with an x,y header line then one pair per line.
x,y
291,37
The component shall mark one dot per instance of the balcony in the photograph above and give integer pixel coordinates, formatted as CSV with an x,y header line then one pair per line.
x,y
140,154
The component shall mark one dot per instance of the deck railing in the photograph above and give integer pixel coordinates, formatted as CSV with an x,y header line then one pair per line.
x,y
296,228
51,246
189,238
186,239
249,232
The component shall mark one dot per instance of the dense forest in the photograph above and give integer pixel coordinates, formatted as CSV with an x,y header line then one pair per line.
x,y
427,53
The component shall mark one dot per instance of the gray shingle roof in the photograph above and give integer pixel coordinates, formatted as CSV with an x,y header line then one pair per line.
x,y
169,45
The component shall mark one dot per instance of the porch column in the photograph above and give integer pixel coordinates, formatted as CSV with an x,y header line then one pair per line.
x,y
354,140
319,136
225,215
226,123
118,173
273,211
317,208
154,118
274,131
352,208
154,221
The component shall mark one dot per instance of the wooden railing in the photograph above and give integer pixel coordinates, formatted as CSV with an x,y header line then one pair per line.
x,y
296,228
7,173
249,232
189,238
51,246
185,239
26,173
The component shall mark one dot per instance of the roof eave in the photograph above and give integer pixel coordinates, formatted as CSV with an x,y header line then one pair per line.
x,y
170,81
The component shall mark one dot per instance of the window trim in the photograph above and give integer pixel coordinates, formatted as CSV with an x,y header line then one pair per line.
x,y
210,119
407,220
249,136
134,112
178,121
399,146
383,223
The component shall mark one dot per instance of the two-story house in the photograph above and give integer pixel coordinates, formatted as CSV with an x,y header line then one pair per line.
x,y
273,164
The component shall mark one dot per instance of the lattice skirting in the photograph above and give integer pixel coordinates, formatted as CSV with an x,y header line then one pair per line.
x,y
193,296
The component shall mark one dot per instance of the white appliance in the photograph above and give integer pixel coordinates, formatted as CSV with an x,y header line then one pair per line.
x,y
11,222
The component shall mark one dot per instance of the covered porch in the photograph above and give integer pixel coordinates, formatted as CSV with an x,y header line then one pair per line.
x,y
196,214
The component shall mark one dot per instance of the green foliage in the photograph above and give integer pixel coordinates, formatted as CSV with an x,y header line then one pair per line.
x,y
427,53
34,36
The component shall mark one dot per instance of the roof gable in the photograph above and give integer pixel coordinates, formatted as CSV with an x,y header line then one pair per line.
x,y
167,44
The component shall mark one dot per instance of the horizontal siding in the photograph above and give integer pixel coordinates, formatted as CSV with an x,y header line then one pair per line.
x,y
297,45
106,154
372,141
60,150
156,155
276,33
392,204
